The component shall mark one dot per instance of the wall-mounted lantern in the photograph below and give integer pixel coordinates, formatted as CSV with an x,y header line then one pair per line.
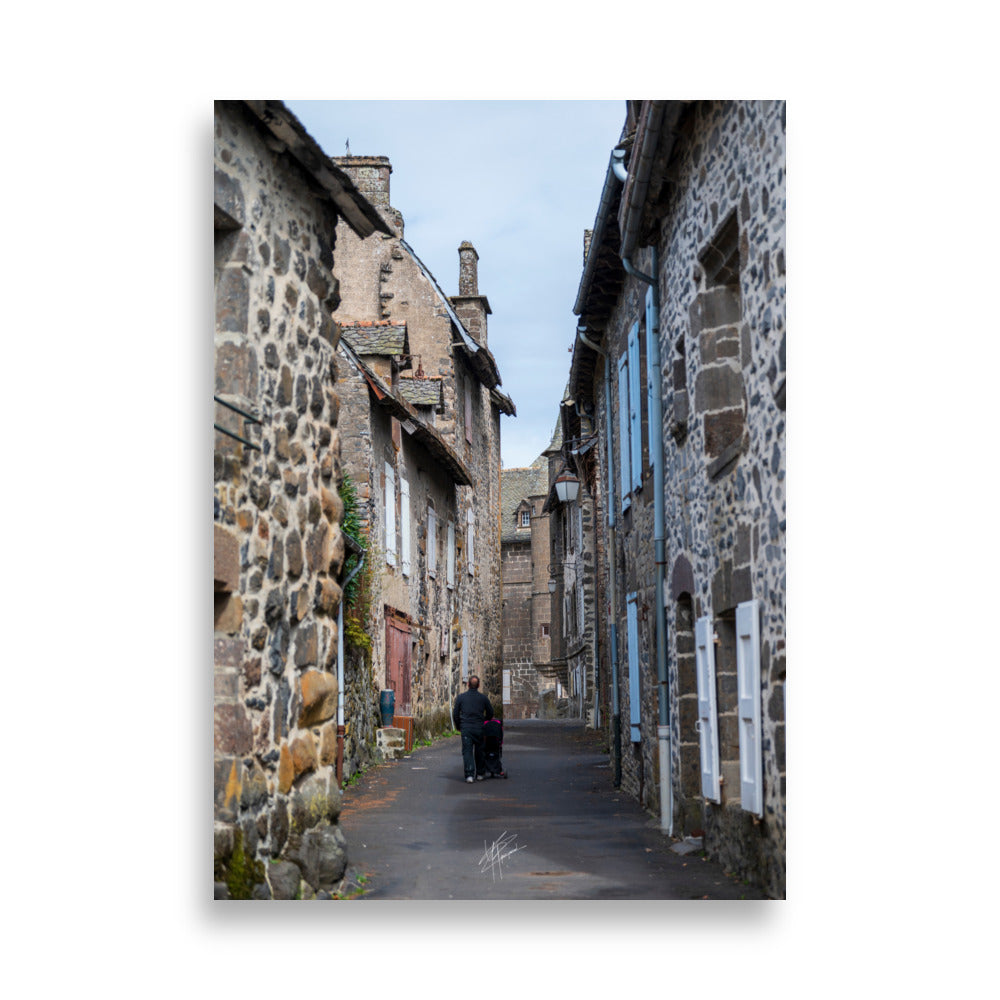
x,y
567,486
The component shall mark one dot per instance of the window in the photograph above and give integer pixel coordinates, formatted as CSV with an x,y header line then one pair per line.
x,y
719,392
451,554
390,515
404,525
545,630
506,687
431,541
525,519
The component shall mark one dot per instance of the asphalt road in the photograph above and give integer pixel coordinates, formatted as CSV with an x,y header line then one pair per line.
x,y
555,829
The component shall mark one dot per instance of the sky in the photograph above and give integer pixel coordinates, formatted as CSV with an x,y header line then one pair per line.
x,y
521,180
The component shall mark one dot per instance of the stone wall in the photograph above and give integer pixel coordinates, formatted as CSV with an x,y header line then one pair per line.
x,y
278,510
722,252
519,631
715,212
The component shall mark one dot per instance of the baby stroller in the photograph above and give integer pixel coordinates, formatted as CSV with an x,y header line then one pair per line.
x,y
492,745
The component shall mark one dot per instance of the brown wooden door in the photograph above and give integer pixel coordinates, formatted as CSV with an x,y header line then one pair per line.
x,y
397,662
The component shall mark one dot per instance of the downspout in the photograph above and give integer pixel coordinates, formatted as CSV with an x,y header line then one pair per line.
x,y
654,389
654,381
616,714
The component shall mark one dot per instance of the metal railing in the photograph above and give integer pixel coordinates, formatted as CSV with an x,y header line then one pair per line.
x,y
246,416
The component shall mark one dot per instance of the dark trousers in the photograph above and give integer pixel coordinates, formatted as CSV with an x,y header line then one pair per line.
x,y
472,752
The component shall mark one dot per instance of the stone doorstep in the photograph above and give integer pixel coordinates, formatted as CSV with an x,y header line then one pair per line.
x,y
391,742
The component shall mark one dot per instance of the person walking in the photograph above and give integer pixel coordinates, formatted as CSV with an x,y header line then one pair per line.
x,y
472,709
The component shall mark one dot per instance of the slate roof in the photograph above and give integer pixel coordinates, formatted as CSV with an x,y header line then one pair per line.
x,y
376,337
517,485
421,391
412,422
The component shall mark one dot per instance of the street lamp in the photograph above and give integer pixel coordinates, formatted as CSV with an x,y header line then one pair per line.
x,y
567,486
552,585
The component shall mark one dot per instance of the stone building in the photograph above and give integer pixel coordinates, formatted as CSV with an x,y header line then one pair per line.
x,y
424,452
570,507
278,544
680,364
529,681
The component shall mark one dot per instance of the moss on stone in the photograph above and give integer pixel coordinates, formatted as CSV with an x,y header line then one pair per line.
x,y
240,872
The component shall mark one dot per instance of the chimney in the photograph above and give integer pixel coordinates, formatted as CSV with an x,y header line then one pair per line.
x,y
468,269
370,175
471,307
588,235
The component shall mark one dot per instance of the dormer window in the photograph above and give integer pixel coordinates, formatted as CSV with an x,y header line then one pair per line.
x,y
525,521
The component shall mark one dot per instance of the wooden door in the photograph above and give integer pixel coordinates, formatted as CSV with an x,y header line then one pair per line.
x,y
397,662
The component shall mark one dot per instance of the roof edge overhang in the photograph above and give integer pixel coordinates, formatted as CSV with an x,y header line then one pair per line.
x,y
360,214
412,422
483,363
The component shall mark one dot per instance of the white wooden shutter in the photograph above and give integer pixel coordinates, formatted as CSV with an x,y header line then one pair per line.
x,y
470,534
624,449
390,515
404,525
748,687
708,722
451,553
431,541
635,406
506,687
632,620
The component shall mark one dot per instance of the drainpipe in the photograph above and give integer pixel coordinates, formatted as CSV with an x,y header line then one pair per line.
x,y
616,715
654,380
581,336
340,672
659,112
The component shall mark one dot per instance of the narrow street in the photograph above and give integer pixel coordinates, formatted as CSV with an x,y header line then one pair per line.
x,y
555,829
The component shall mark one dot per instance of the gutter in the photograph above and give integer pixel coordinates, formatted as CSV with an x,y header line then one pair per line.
x,y
600,224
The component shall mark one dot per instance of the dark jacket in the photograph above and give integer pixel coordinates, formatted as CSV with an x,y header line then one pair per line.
x,y
471,709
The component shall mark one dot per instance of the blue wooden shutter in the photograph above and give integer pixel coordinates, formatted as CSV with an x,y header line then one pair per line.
x,y
624,449
632,620
635,406
708,722
748,687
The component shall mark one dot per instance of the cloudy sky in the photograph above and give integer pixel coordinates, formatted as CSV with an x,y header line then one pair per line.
x,y
521,180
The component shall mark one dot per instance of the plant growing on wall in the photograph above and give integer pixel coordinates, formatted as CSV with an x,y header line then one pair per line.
x,y
358,593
